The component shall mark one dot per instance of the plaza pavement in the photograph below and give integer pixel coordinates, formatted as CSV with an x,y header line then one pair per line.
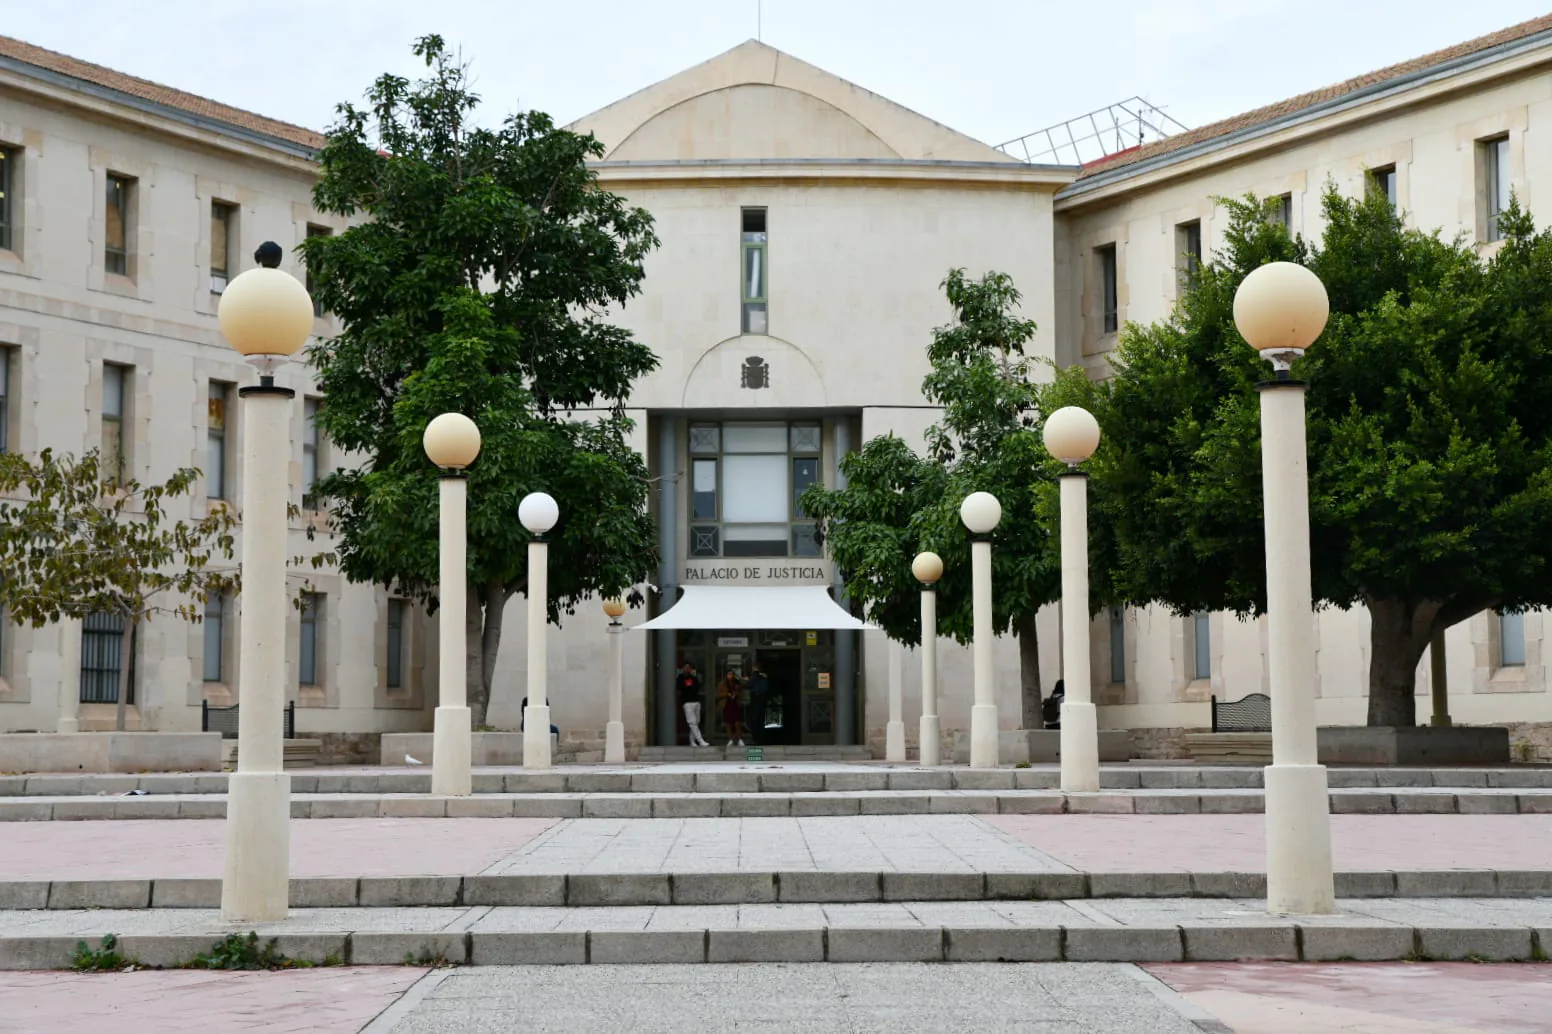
x,y
1192,998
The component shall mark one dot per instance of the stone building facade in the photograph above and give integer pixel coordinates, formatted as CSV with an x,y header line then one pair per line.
x,y
806,225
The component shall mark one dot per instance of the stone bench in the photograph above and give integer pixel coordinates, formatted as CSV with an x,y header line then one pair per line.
x,y
1042,746
488,748
110,752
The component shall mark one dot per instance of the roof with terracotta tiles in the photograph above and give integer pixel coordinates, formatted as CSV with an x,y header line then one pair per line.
x,y
144,89
1293,105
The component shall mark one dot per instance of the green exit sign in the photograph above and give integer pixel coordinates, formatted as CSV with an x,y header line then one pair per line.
x,y
755,754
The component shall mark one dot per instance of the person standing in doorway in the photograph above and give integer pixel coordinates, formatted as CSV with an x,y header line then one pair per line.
x,y
689,684
732,708
759,690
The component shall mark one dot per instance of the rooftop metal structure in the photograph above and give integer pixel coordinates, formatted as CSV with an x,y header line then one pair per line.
x,y
1099,134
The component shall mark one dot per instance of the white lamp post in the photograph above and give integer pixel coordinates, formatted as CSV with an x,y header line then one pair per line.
x,y
980,513
894,731
266,315
614,732
1281,308
928,568
538,513
452,441
1072,435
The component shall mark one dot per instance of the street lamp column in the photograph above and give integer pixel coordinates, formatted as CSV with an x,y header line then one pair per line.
x,y
1072,435
266,315
538,512
894,731
614,731
452,441
928,568
1280,309
980,513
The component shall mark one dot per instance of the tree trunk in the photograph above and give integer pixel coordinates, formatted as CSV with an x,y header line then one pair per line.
x,y
126,660
1398,634
482,642
1029,674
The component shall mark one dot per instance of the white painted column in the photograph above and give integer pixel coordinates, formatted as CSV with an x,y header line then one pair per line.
x,y
69,675
1080,726
929,749
614,731
256,884
983,714
894,732
536,717
452,744
1298,820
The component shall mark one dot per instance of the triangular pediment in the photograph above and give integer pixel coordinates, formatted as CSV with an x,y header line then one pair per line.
x,y
756,102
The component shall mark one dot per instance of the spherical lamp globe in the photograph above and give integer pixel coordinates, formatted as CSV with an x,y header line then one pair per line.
x,y
538,512
927,567
1281,308
614,607
980,512
265,314
452,441
1071,434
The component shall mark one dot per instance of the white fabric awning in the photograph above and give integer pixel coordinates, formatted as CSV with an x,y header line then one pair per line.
x,y
775,607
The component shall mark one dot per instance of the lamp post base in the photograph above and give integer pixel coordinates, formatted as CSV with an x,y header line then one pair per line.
x,y
1080,747
257,882
1298,841
614,743
536,736
983,736
930,741
451,752
894,742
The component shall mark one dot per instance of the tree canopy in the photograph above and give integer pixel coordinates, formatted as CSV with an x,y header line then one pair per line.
x,y
1429,433
897,503
478,280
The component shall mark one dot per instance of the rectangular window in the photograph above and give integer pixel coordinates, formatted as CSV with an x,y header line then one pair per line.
x,y
1383,181
116,230
1110,315
1279,210
1511,639
10,161
312,616
1201,652
215,444
310,449
5,399
223,227
395,644
1495,154
1117,645
755,320
703,493
745,484
314,230
1188,253
115,389
215,638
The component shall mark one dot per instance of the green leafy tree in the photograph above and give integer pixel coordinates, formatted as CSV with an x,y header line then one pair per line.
x,y
74,541
897,503
478,281
1430,433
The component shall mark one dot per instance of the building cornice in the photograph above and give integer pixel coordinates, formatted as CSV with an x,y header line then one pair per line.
x,y
117,105
1380,100
1017,175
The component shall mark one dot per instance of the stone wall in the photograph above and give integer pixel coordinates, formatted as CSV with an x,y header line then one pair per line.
x,y
1530,742
348,748
1161,744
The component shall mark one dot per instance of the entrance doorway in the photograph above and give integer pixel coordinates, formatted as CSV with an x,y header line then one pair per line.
x,y
799,703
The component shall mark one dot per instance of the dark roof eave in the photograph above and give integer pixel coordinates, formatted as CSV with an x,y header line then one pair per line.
x,y
167,111
1362,95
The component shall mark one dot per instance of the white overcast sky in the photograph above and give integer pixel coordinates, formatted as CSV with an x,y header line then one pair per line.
x,y
994,69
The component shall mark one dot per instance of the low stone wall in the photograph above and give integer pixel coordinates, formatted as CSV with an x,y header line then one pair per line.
x,y
111,752
1530,742
349,748
1161,744
1412,745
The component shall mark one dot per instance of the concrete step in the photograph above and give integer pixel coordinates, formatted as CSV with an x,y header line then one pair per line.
x,y
774,778
635,889
1155,930
774,752
763,805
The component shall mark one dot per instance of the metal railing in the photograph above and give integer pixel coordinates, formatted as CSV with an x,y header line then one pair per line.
x,y
1251,713
224,720
1098,134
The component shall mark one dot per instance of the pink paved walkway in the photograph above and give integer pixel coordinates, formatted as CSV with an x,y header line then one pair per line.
x,y
1236,843
195,848
1369,998
323,1001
